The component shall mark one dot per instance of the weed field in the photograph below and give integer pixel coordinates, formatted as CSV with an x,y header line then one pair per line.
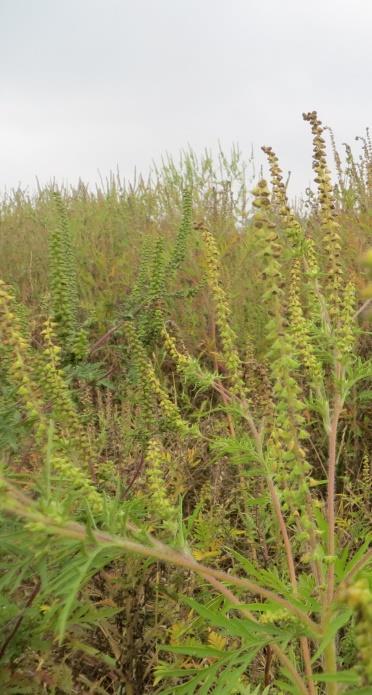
x,y
185,431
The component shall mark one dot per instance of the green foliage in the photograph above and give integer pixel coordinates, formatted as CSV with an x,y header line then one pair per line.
x,y
184,232
63,281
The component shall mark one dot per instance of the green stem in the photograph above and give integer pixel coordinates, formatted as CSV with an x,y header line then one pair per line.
x,y
330,666
331,492
330,654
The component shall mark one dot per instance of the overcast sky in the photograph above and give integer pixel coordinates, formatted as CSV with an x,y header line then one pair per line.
x,y
89,85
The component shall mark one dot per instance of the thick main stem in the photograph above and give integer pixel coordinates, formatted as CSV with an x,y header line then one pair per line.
x,y
330,666
331,492
330,653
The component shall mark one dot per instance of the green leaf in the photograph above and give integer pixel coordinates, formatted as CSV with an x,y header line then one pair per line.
x,y
202,652
267,577
74,587
210,679
164,670
185,688
229,678
349,676
335,624
287,687
249,631
365,396
358,555
93,652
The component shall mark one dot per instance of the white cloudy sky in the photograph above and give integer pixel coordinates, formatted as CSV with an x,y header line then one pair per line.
x,y
86,85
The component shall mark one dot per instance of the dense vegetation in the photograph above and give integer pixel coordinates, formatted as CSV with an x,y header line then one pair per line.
x,y
185,407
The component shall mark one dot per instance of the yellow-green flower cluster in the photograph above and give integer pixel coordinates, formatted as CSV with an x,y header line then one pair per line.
x,y
322,174
152,390
227,335
279,191
276,616
86,400
310,256
346,330
53,382
359,598
153,319
62,270
367,477
23,318
292,226
20,360
181,360
285,449
299,327
140,360
289,430
141,285
332,246
184,232
270,246
286,455
257,381
79,344
186,366
156,462
168,409
312,272
79,482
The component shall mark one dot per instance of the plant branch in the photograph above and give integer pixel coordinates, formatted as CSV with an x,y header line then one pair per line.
x,y
21,505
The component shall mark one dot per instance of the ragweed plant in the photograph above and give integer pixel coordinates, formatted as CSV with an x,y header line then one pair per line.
x,y
329,224
156,462
184,232
153,318
63,271
153,396
54,385
19,362
230,354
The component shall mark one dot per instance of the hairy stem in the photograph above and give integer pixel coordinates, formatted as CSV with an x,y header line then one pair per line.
x,y
331,490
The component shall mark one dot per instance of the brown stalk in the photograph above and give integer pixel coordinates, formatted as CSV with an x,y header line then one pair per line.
x,y
20,618
287,543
